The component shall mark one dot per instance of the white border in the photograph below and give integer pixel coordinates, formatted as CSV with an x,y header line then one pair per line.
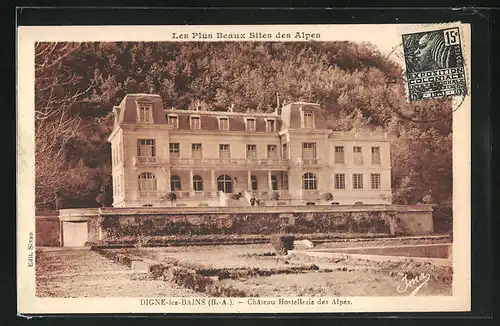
x,y
28,303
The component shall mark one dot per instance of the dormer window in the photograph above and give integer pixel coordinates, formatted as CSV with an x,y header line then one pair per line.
x,y
223,123
145,114
195,122
173,121
270,125
250,123
307,119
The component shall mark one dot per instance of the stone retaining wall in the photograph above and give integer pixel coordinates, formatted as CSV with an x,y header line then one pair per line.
x,y
111,223
47,231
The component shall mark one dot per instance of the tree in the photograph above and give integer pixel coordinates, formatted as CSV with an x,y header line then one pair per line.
x,y
77,85
55,126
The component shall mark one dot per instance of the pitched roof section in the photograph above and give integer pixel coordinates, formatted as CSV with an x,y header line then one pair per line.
x,y
290,116
210,121
129,104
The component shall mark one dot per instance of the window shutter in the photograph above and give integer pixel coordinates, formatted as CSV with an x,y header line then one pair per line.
x,y
153,151
138,147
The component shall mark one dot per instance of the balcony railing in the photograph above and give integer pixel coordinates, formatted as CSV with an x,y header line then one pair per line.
x,y
148,193
309,194
146,160
179,194
196,194
310,162
238,162
267,194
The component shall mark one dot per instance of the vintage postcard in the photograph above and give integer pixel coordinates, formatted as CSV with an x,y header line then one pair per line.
x,y
244,169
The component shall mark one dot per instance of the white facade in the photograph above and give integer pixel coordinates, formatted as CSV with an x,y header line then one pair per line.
x,y
288,157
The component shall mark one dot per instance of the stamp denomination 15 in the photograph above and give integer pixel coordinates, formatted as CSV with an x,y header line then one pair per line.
x,y
434,64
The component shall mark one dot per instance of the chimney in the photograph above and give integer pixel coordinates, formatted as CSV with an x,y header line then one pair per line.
x,y
278,107
231,108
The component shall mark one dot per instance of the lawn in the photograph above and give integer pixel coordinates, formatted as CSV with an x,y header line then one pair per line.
x,y
255,270
84,273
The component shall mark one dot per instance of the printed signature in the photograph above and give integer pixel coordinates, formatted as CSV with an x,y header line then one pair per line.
x,y
415,283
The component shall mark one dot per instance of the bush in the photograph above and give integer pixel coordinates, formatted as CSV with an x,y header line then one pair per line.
x,y
328,196
172,196
282,243
191,280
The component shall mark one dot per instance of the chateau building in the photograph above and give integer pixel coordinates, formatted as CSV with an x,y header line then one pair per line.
x,y
170,157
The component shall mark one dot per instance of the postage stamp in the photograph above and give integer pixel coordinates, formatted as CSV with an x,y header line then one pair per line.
x,y
242,169
435,65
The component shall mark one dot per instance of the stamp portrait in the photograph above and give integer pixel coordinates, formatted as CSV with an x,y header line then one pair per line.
x,y
434,64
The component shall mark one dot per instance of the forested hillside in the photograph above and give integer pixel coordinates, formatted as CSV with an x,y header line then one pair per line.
x,y
78,84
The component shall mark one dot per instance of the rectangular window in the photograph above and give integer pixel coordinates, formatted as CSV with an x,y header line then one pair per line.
x,y
357,181
339,181
224,151
195,123
251,151
272,151
145,113
357,155
270,125
308,119
173,121
375,180
223,123
196,150
250,124
174,149
339,154
376,155
308,150
146,147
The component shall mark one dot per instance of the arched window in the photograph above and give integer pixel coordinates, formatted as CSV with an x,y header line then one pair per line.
x,y
175,183
255,184
225,183
274,182
197,183
147,181
309,181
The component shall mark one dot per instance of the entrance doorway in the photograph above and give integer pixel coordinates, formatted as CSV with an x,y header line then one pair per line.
x,y
75,233
225,183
